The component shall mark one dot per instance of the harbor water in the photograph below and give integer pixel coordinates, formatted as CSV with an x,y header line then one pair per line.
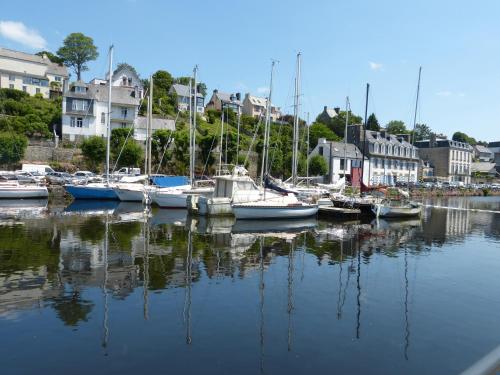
x,y
106,287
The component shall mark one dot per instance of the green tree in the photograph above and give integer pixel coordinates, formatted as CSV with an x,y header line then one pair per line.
x,y
12,147
159,147
132,154
337,124
462,137
53,58
317,165
94,151
319,130
396,127
372,123
422,131
77,50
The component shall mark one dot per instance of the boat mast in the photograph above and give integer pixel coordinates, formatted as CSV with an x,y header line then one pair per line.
x,y
412,135
363,148
192,135
307,150
347,108
295,154
221,139
108,131
150,125
264,168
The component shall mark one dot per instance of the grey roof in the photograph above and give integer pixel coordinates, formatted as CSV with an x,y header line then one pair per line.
x,y
183,90
484,167
426,143
352,152
377,137
119,94
52,68
494,144
330,112
158,123
481,148
226,98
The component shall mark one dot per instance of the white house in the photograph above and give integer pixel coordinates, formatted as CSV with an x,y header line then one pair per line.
x,y
85,107
31,73
340,158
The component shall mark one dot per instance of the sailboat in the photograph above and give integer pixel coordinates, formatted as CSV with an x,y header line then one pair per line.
x,y
15,190
274,206
177,197
403,207
98,190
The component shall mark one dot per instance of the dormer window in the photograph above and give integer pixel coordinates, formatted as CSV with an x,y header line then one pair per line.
x,y
80,89
124,81
130,81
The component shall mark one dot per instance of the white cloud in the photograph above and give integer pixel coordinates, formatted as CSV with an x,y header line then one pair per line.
x,y
444,93
375,66
263,90
18,32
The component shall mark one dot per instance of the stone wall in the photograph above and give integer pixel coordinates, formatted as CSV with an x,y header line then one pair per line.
x,y
47,155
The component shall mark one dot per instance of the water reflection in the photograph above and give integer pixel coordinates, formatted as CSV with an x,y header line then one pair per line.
x,y
298,275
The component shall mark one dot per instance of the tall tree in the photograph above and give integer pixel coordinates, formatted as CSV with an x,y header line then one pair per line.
x,y
372,123
12,147
77,50
94,151
320,130
396,127
462,137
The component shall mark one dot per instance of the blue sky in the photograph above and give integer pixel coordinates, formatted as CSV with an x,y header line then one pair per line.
x,y
344,44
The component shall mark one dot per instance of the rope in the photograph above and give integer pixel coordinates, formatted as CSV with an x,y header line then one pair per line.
x,y
256,128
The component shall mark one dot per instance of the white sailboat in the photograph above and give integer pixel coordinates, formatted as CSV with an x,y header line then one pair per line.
x,y
15,190
271,206
177,197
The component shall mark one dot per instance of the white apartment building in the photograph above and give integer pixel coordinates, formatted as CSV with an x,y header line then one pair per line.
x,y
31,73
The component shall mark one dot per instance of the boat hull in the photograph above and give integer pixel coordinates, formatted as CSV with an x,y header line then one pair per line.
x,y
91,192
273,212
129,195
387,211
23,192
170,200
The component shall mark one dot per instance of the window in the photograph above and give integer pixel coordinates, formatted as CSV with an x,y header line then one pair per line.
x,y
79,122
12,77
79,105
123,125
130,81
320,151
124,112
342,164
80,89
58,78
25,88
38,90
124,81
11,86
72,122
103,118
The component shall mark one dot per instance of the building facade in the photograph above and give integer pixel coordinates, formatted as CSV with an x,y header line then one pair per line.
x,y
85,109
340,158
391,159
451,160
31,73
183,97
482,154
495,149
221,100
256,106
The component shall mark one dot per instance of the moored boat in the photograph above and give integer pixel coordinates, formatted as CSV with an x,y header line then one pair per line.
x,y
286,207
15,190
92,191
401,210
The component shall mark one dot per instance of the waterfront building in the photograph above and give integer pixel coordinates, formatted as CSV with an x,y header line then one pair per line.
x,y
221,100
482,153
451,159
183,95
341,159
495,149
328,114
483,172
31,73
391,159
256,106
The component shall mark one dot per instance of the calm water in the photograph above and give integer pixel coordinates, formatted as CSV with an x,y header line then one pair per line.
x,y
94,288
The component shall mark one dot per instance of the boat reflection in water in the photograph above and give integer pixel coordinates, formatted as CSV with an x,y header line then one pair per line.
x,y
109,279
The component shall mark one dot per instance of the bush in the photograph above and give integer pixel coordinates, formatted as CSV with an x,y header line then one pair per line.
x,y
94,151
12,147
317,166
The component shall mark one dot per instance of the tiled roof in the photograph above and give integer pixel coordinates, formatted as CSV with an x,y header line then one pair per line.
x,y
52,68
119,94
183,90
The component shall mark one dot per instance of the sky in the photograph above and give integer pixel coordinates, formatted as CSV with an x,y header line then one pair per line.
x,y
344,46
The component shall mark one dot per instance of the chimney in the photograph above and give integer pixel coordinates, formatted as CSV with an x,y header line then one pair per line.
x,y
337,110
238,96
216,91
432,140
325,108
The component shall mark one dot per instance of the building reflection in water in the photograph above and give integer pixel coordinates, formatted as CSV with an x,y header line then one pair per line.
x,y
51,258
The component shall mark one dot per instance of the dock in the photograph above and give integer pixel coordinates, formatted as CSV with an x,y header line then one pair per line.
x,y
338,212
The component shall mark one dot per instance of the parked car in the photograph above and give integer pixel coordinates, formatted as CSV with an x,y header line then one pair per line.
x,y
41,169
128,171
495,186
29,177
87,176
59,178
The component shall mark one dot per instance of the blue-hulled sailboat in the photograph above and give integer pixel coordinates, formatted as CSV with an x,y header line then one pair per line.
x,y
99,190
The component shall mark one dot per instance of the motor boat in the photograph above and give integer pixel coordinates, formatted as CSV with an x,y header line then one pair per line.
x,y
14,190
